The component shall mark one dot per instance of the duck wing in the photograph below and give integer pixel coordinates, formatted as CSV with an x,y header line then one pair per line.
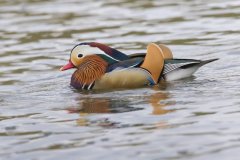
x,y
135,55
126,64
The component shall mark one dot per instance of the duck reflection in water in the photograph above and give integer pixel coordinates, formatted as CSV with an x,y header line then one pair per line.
x,y
87,105
103,105
159,102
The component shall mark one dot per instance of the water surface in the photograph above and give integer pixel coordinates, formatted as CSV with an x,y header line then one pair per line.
x,y
43,118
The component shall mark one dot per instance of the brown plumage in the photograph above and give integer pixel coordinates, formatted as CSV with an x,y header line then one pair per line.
x,y
92,68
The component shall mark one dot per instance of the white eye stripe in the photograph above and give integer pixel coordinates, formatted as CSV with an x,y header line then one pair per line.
x,y
86,50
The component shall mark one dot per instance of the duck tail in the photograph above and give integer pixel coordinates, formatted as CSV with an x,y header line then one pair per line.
x,y
208,61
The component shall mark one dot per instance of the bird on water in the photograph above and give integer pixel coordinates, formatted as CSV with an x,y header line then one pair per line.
x,y
99,66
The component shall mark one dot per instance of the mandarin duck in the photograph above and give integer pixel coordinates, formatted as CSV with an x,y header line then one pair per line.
x,y
102,67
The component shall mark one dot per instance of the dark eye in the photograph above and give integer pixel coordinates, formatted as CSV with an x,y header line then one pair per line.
x,y
80,55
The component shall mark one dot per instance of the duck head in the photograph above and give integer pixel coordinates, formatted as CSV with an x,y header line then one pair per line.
x,y
84,51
